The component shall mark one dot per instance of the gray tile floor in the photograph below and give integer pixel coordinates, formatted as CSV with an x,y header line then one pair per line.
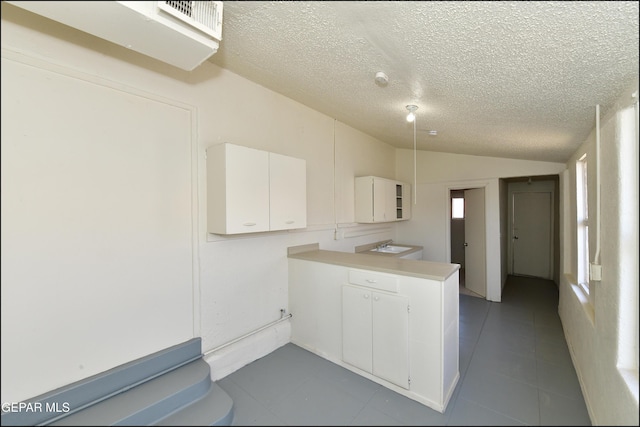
x,y
515,369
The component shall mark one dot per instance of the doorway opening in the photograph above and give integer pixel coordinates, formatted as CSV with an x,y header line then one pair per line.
x,y
467,239
533,218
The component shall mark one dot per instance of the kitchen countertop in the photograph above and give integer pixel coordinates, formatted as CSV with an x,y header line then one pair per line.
x,y
406,267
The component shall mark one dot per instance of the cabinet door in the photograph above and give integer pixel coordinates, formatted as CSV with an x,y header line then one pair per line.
x,y
356,327
390,341
379,200
384,200
364,199
288,192
237,189
390,204
375,333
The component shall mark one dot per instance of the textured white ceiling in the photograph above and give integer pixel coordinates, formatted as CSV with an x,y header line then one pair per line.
x,y
507,79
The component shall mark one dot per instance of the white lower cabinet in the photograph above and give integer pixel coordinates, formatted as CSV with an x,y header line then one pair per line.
x,y
375,333
397,330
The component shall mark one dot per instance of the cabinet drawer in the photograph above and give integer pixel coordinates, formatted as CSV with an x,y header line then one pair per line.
x,y
381,281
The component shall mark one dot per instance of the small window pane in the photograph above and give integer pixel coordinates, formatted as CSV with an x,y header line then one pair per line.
x,y
582,221
457,208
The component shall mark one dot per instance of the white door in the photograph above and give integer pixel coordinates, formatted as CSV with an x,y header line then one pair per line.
x,y
357,327
531,236
391,338
245,192
475,278
380,190
375,333
384,200
287,192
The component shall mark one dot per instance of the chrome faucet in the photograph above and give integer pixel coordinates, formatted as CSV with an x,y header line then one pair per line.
x,y
383,245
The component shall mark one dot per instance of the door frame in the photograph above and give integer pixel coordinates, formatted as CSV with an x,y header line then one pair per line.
x,y
469,186
542,186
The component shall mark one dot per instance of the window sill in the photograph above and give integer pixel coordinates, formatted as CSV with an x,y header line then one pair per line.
x,y
583,299
630,378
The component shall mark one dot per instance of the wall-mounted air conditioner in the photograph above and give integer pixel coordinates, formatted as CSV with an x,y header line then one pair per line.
x,y
180,33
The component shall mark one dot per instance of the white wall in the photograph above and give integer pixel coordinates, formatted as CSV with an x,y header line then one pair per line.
x,y
602,329
97,242
235,284
70,311
437,174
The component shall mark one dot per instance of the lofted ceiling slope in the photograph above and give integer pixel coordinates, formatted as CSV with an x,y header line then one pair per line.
x,y
505,79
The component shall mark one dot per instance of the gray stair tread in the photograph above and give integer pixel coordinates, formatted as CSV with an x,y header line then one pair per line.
x,y
148,401
214,409
92,389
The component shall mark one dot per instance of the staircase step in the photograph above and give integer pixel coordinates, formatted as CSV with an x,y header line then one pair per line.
x,y
170,387
214,409
88,391
148,402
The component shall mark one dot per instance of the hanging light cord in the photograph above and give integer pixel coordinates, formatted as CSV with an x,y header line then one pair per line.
x,y
411,117
415,190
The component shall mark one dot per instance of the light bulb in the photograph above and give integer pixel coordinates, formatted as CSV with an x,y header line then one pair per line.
x,y
411,116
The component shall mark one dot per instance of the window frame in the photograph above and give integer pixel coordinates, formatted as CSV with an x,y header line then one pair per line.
x,y
582,222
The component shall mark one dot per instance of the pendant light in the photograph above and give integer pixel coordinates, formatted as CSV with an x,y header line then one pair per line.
x,y
411,117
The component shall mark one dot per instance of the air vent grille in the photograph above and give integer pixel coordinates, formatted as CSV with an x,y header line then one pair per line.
x,y
206,16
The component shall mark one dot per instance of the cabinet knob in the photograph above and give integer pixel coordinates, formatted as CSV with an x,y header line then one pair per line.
x,y
371,281
376,298
289,222
249,224
366,296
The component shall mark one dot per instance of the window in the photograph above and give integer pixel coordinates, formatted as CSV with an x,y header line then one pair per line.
x,y
628,255
634,155
582,204
457,208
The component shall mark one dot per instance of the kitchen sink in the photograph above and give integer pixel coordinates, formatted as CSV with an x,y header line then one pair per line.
x,y
391,249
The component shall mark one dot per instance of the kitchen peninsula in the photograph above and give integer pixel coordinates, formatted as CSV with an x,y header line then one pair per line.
x,y
391,320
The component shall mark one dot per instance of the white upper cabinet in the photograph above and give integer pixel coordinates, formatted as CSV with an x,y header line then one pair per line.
x,y
288,192
380,200
237,189
251,190
384,200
